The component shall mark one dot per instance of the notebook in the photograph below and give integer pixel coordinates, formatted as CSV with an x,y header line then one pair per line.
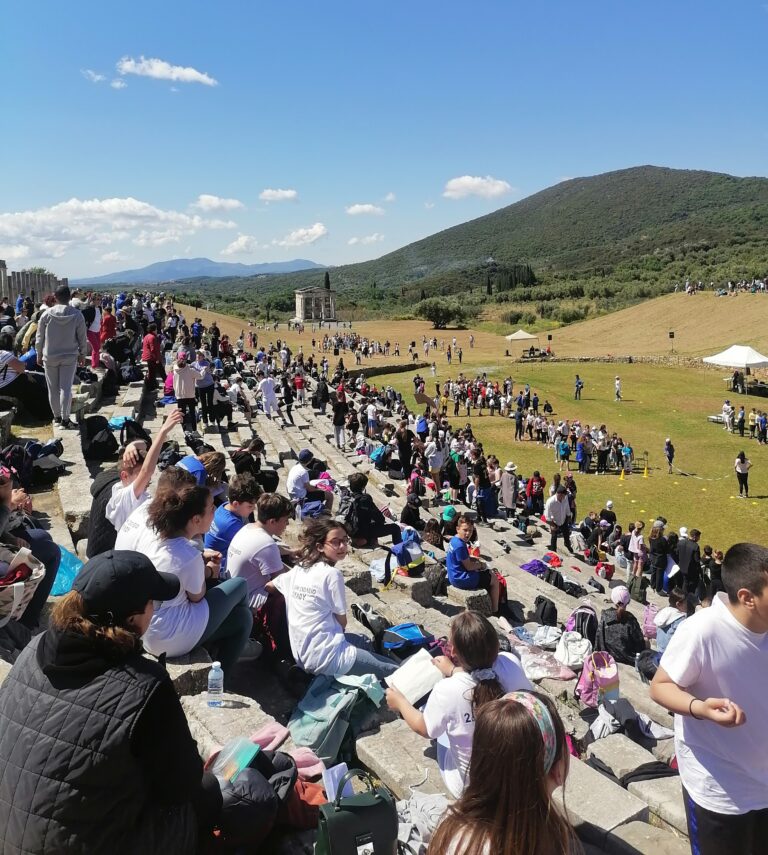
x,y
416,677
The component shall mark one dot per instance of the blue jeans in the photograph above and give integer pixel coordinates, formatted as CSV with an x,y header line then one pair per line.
x,y
42,546
229,622
366,661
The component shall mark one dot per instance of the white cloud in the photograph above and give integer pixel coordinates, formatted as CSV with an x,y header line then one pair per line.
x,y
14,252
429,205
390,197
242,244
159,69
301,237
357,210
118,84
475,185
269,195
93,76
110,257
53,231
368,239
207,202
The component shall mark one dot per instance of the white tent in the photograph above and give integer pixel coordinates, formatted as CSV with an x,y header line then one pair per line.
x,y
738,356
521,335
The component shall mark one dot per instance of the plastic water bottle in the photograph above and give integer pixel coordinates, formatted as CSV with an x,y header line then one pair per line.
x,y
215,685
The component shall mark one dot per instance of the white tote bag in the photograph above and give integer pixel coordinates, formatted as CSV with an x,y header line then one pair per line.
x,y
572,650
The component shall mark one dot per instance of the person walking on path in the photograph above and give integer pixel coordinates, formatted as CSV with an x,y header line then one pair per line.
x,y
557,512
742,466
669,453
60,342
617,387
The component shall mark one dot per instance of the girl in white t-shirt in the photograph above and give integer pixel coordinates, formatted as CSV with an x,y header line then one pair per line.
x,y
198,616
519,757
316,606
481,674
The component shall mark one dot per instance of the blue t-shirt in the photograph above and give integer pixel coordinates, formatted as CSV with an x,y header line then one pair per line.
x,y
224,527
457,552
195,467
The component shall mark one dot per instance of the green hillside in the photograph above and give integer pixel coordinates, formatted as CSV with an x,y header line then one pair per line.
x,y
584,245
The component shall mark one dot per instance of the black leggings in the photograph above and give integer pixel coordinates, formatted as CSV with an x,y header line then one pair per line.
x,y
205,396
743,479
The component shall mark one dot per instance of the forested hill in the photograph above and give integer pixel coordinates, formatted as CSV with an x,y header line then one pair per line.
x,y
642,225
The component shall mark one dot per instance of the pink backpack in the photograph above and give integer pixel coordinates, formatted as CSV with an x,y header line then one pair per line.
x,y
649,627
599,680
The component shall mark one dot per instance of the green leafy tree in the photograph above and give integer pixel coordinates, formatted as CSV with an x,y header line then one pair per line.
x,y
441,312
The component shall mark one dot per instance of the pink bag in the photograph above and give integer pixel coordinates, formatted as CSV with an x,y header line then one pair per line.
x,y
599,680
649,626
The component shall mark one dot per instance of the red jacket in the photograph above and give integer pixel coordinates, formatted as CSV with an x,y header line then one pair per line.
x,y
150,349
108,327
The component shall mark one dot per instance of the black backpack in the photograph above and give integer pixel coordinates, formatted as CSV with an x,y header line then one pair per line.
x,y
554,577
169,455
132,430
18,460
97,440
544,611
573,589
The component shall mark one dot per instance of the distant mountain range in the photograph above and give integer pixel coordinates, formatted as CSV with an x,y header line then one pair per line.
x,y
187,268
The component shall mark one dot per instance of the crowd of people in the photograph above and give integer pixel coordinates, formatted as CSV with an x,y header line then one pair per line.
x,y
199,559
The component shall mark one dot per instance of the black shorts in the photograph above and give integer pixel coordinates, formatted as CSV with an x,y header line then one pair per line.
x,y
725,834
484,580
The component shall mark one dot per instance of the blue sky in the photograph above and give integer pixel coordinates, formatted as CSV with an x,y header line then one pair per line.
x,y
144,131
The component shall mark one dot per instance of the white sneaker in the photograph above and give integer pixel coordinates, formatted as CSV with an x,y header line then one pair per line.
x,y
252,651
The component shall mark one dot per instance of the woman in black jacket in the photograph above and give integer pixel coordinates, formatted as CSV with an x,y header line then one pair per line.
x,y
658,550
95,749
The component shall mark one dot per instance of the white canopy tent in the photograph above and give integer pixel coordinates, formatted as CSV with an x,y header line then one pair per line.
x,y
738,356
521,335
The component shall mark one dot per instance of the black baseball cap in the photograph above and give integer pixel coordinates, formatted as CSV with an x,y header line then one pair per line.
x,y
123,582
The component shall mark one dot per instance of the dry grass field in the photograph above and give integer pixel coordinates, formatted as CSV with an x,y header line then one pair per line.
x,y
660,401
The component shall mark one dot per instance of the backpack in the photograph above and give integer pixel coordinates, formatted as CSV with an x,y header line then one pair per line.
x,y
132,430
554,577
599,680
572,650
437,576
647,663
604,570
637,586
131,373
370,619
503,596
170,455
401,641
544,611
578,544
649,627
416,486
573,589
598,586
19,461
97,440
410,557
583,619
378,453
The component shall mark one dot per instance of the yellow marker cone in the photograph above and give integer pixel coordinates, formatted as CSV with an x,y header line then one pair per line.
x,y
621,477
645,472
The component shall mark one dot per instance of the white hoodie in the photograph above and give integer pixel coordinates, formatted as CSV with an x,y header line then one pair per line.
x,y
667,616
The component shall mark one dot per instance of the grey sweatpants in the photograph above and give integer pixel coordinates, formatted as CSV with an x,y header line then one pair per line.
x,y
59,379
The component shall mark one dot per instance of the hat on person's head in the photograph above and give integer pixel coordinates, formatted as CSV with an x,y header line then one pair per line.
x,y
449,513
510,467
683,531
658,524
305,455
413,499
609,504
121,583
605,524
620,596
8,329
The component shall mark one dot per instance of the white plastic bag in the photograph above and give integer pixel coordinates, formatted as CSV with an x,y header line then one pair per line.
x,y
572,650
547,637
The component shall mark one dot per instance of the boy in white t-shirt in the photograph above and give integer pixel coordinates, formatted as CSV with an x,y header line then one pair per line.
x,y
131,490
714,677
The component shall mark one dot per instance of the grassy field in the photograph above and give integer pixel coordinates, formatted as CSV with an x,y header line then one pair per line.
x,y
659,401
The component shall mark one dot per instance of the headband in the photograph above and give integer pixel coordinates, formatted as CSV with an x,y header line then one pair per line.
x,y
543,719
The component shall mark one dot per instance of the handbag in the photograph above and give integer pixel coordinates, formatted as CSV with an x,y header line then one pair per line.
x,y
361,824
15,598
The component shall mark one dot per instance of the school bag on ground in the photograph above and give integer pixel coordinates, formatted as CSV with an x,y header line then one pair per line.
x,y
583,619
409,557
599,680
649,626
132,430
554,577
544,611
572,650
637,586
18,460
578,544
604,570
97,440
547,637
401,641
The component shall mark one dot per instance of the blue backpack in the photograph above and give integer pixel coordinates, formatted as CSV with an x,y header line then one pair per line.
x,y
378,453
401,641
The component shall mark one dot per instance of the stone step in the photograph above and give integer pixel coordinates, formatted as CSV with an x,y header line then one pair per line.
x,y
476,601
641,838
595,805
664,797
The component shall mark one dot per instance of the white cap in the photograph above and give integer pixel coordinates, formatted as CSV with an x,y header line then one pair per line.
x,y
609,504
683,531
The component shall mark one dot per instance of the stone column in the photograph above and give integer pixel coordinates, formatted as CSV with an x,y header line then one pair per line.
x,y
4,280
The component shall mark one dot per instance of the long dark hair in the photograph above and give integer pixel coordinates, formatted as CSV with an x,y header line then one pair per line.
x,y
174,506
476,646
313,537
507,805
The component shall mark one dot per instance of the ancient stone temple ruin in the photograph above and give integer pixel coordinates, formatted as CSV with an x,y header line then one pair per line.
x,y
36,285
315,304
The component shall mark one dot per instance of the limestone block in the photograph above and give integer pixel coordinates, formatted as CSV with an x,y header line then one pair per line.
x,y
357,579
213,727
595,805
189,673
401,759
639,838
417,589
620,754
664,796
477,601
